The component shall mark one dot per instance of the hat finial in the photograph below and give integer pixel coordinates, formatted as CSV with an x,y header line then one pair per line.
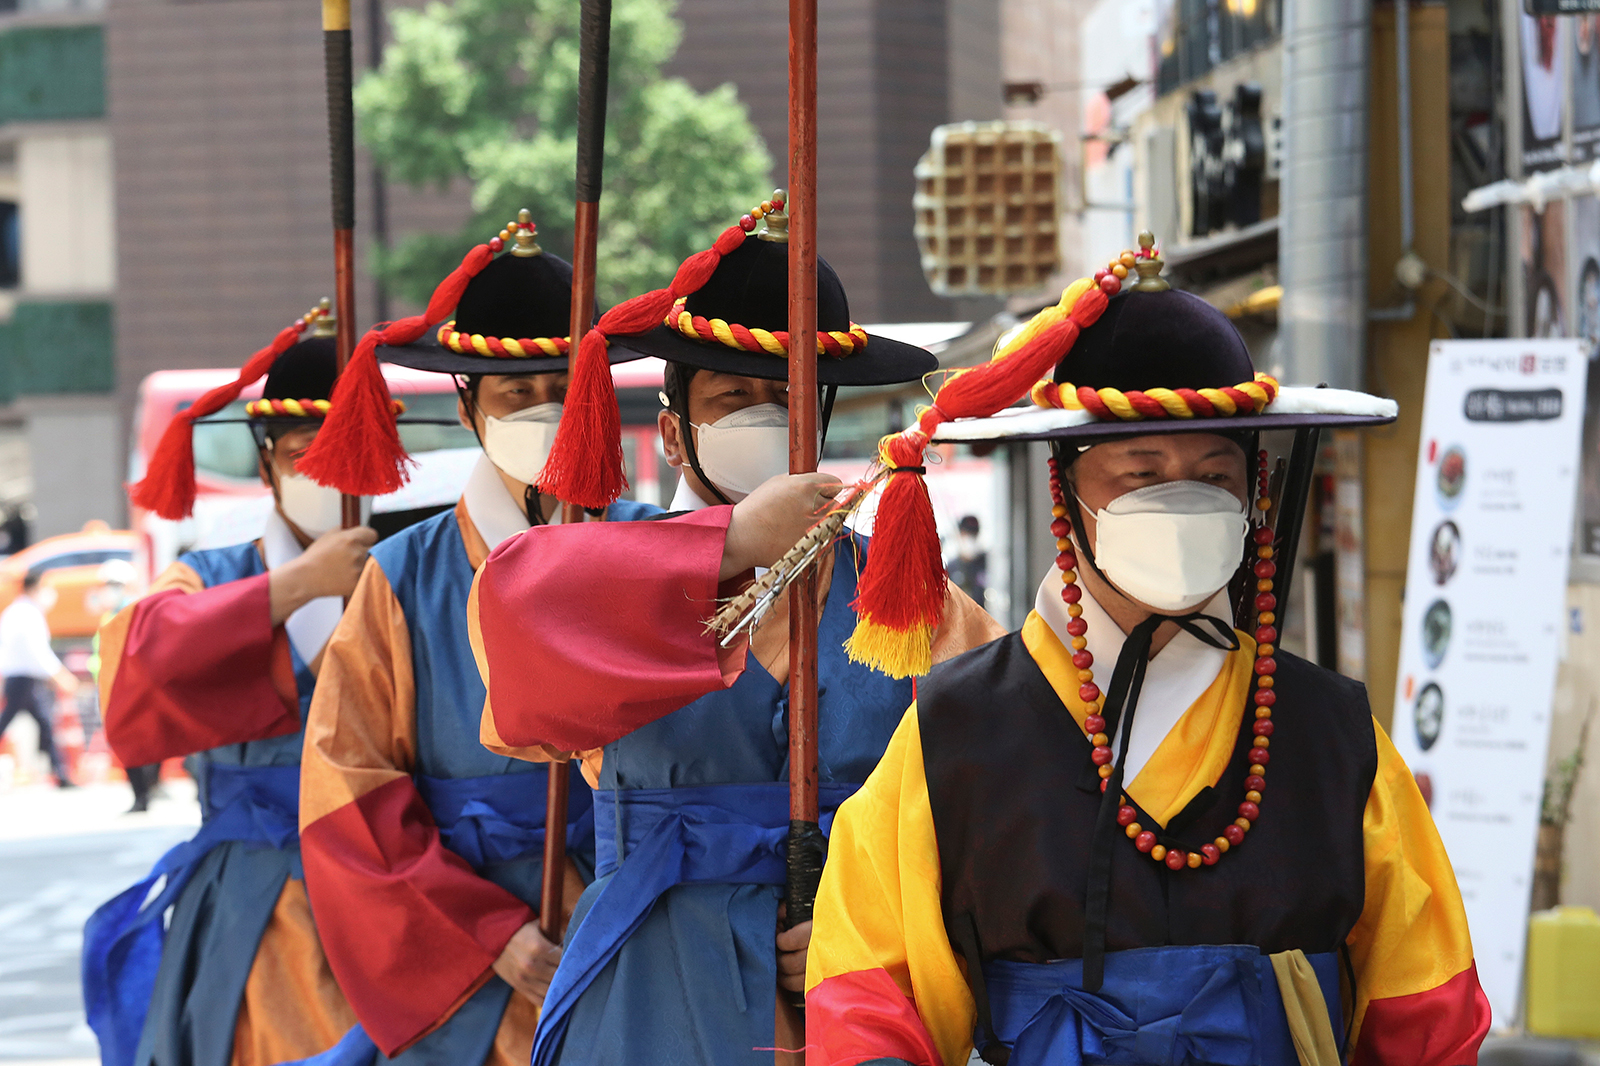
x,y
775,222
524,229
323,321
1148,264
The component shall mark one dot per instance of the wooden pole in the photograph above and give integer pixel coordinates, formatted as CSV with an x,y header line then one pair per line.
x,y
805,848
594,63
338,63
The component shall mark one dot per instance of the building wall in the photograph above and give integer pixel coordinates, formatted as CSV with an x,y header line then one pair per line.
x,y
888,72
218,114
72,441
69,237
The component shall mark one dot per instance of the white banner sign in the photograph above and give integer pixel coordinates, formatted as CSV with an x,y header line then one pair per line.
x,y
1491,531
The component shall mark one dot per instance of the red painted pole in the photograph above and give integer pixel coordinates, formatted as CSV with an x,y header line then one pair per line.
x,y
594,62
803,407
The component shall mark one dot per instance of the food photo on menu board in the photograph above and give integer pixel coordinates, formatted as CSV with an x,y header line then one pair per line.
x,y
1492,521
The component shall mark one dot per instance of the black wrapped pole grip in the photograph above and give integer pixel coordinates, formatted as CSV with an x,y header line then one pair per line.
x,y
341,127
807,849
594,67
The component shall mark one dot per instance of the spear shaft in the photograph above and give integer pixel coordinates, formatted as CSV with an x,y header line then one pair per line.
x,y
338,64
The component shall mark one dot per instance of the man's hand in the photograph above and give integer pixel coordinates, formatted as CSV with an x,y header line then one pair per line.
x,y
528,963
331,566
66,682
771,519
792,945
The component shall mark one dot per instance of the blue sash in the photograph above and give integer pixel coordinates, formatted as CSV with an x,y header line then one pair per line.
x,y
501,817
708,834
123,939
498,818
1169,1006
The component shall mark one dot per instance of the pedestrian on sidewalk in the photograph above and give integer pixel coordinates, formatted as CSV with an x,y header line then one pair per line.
x,y
29,665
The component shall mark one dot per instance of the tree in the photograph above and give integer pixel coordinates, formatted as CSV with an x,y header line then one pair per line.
x,y
487,90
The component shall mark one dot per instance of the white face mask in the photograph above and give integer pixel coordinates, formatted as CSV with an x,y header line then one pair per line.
x,y
46,598
314,508
1172,546
519,444
739,451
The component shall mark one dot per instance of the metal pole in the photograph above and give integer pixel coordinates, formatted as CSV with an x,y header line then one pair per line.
x,y
342,164
805,844
594,61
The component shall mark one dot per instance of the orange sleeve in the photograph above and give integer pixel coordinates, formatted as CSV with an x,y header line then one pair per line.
x,y
882,979
409,928
1418,1002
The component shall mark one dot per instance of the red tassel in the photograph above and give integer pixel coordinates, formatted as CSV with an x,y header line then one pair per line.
x,y
168,486
359,453
358,449
901,594
586,466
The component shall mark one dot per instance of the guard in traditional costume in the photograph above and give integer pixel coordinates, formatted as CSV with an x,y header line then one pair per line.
x,y
594,642
1130,889
220,660
423,850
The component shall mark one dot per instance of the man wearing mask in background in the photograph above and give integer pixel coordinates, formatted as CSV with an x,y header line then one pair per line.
x,y
969,566
32,669
220,658
678,954
1129,889
424,850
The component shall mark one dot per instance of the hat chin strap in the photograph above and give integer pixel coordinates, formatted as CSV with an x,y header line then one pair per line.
x,y
686,432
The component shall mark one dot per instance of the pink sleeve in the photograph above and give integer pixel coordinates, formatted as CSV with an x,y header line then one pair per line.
x,y
592,631
196,670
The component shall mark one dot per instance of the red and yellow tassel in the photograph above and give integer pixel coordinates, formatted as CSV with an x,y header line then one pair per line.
x,y
901,595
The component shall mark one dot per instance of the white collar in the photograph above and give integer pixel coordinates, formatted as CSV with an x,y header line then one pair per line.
x,y
1176,677
685,498
496,515
310,626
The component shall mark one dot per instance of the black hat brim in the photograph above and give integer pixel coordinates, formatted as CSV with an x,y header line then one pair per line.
x,y
882,362
427,353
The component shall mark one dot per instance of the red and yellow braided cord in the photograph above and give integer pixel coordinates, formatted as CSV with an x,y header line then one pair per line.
x,y
1114,405
299,408
836,344
501,347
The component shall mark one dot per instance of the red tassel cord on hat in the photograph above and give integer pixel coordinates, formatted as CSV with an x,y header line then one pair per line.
x,y
901,594
358,449
168,487
585,466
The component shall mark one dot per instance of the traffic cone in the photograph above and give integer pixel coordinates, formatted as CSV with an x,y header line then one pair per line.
x,y
69,734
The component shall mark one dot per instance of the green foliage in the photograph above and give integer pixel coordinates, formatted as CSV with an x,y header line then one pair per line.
x,y
487,90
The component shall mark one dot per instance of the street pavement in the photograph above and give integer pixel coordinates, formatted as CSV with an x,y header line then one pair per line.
x,y
62,853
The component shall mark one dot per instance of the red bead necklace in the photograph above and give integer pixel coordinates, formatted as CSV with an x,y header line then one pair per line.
x,y
1094,725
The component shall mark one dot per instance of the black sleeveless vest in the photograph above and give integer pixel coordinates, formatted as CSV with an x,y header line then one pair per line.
x,y
1014,796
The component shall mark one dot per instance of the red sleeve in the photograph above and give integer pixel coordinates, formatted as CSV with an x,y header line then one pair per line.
x,y
1440,1027
198,670
863,1017
591,631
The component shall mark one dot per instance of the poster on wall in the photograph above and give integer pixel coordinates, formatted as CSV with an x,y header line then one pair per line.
x,y
1544,271
1485,597
1585,86
1586,311
1544,91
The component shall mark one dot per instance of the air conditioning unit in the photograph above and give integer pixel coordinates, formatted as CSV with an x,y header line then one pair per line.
x,y
988,204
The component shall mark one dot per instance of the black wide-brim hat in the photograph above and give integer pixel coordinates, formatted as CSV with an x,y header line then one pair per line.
x,y
750,288
525,300
1154,362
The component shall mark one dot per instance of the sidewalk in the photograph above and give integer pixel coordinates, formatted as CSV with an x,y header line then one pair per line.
x,y
63,853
